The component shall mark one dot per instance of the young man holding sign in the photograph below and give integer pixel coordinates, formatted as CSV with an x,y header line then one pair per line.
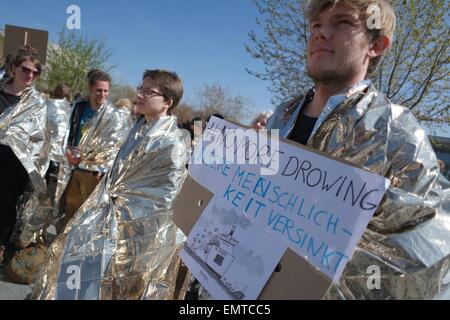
x,y
346,117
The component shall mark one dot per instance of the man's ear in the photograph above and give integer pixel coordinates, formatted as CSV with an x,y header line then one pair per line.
x,y
379,46
169,103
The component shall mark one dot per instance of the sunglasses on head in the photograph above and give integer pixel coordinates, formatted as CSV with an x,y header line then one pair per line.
x,y
28,70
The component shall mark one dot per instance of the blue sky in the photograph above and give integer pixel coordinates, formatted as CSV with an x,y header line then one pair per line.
x,y
202,40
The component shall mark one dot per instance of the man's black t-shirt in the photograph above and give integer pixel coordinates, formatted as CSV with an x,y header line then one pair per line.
x,y
304,125
7,100
303,128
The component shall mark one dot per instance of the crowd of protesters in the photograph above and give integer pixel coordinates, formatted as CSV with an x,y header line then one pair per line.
x,y
87,133
118,168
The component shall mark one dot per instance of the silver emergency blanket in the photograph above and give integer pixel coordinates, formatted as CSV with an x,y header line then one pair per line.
x,y
99,145
104,135
408,239
23,128
36,210
108,128
58,113
122,242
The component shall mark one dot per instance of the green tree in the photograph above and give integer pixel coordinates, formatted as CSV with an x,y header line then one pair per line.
x,y
414,73
70,59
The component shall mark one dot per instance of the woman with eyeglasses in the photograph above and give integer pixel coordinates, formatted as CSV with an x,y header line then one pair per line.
x,y
22,138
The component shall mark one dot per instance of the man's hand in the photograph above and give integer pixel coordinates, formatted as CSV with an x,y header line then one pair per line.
x,y
99,176
71,158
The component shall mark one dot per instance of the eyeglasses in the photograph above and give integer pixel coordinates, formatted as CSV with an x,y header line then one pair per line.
x,y
148,92
28,70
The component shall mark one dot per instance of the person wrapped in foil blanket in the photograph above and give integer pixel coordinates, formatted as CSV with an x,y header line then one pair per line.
x,y
409,236
405,250
24,128
99,145
122,243
34,214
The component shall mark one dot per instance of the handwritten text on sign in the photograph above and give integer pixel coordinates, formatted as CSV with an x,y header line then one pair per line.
x,y
317,206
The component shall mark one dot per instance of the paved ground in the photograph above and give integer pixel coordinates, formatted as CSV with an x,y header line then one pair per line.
x,y
13,291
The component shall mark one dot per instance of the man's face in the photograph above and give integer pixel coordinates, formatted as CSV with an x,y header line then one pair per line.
x,y
100,92
150,101
338,45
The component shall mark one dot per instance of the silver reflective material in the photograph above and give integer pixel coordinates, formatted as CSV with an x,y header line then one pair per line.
x,y
23,128
104,135
65,171
408,239
58,113
122,243
108,128
35,210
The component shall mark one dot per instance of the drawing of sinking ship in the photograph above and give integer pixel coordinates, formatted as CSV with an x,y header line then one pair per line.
x,y
219,257
220,252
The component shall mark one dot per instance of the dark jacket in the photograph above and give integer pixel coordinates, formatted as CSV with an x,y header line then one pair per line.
x,y
75,121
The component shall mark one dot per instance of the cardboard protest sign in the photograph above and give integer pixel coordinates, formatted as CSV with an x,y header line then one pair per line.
x,y
16,37
221,239
271,196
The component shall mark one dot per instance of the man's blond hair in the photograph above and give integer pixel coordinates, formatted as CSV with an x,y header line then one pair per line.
x,y
387,17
